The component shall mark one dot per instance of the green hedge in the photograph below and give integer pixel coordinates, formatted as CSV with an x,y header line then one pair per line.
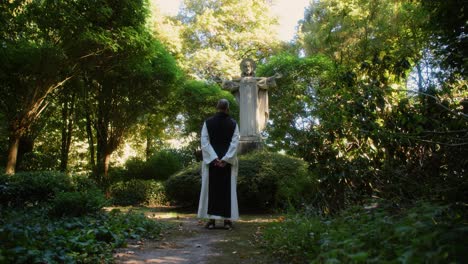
x,y
183,188
159,167
265,181
272,180
29,188
78,203
137,192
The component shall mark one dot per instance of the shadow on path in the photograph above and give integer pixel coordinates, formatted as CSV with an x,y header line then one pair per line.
x,y
190,242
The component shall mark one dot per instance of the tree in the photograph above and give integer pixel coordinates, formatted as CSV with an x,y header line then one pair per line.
x,y
346,108
105,44
134,87
218,34
198,101
355,32
447,26
32,67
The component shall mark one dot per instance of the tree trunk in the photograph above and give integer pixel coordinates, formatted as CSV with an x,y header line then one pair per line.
x,y
89,132
12,154
107,157
26,145
67,130
149,146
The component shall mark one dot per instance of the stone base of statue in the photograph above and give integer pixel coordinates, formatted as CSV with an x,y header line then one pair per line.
x,y
249,143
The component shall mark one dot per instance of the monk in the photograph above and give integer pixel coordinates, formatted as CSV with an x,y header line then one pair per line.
x,y
219,143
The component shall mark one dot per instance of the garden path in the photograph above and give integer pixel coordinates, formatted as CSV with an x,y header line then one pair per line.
x,y
190,242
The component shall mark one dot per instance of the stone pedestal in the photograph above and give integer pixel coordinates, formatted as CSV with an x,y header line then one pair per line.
x,y
248,144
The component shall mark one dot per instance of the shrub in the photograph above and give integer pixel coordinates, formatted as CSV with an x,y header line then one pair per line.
x,y
265,181
31,236
117,174
155,194
135,192
78,203
37,160
158,167
135,168
425,233
163,164
272,180
183,188
27,188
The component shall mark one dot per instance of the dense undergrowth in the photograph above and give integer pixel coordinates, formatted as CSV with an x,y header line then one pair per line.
x,y
423,233
49,217
32,236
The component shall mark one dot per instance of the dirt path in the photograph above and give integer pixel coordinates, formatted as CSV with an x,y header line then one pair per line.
x,y
190,242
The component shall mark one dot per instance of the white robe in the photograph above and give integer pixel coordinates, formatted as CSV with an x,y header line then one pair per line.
x,y
208,156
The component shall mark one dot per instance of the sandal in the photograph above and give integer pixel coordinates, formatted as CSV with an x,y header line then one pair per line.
x,y
227,224
210,224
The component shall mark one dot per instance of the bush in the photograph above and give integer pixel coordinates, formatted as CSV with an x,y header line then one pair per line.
x,y
117,174
36,160
31,236
158,167
271,180
183,188
29,188
426,233
135,168
155,194
265,181
163,164
78,203
136,192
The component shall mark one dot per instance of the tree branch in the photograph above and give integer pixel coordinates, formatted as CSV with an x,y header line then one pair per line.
x,y
437,101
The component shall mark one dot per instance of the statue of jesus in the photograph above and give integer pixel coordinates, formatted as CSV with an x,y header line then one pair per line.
x,y
252,95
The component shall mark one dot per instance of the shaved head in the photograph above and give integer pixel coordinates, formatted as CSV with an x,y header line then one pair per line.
x,y
223,105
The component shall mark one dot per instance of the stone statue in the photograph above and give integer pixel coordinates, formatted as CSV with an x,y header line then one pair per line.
x,y
252,95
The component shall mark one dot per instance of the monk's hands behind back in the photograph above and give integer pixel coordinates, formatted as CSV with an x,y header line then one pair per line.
x,y
219,163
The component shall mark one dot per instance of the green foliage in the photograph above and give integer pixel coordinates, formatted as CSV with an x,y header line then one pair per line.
x,y
271,180
353,32
78,203
135,168
447,25
28,188
123,72
159,166
30,236
163,164
183,188
265,181
347,108
136,192
293,101
37,161
198,101
425,233
218,34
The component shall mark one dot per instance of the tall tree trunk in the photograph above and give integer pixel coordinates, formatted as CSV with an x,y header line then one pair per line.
x,y
12,154
107,157
89,132
26,145
67,130
149,143
101,142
